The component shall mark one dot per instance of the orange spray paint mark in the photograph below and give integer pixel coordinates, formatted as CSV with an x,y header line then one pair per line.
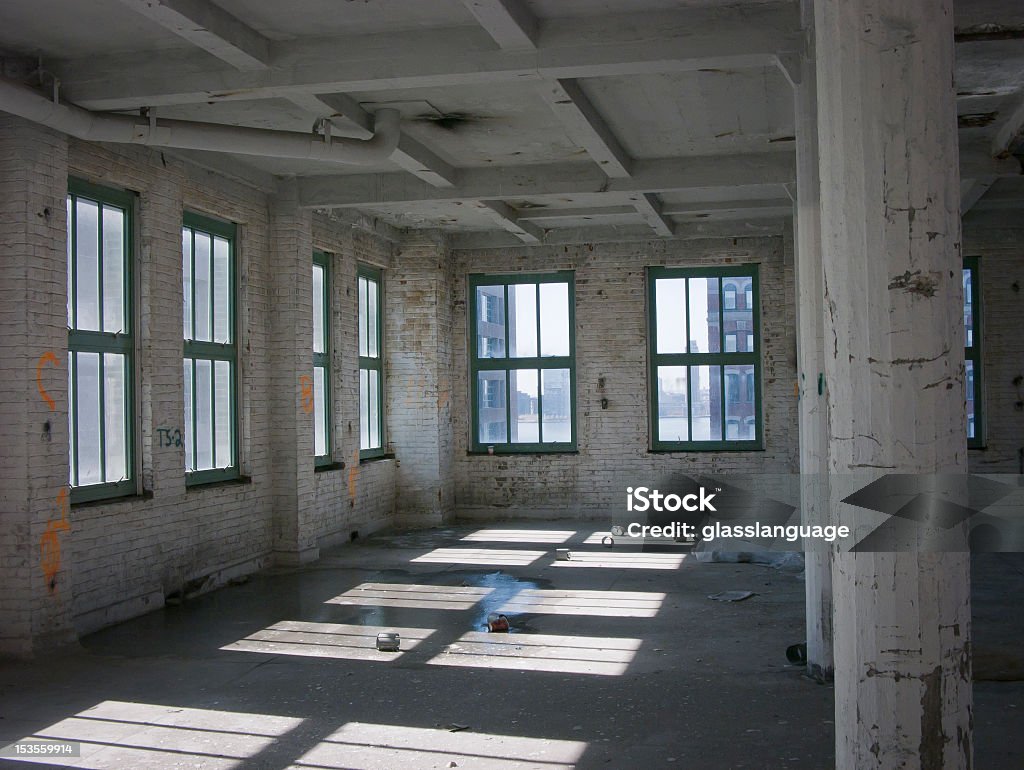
x,y
49,543
306,385
48,357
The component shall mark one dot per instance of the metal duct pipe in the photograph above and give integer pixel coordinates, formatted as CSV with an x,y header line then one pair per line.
x,y
188,135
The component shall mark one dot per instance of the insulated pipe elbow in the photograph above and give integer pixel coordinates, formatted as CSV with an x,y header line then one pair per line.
x,y
213,137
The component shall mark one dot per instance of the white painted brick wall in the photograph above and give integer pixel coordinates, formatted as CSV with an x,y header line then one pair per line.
x,y
123,557
611,345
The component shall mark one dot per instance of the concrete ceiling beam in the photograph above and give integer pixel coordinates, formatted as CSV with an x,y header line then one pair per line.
x,y
509,220
762,173
585,126
649,207
1009,132
509,22
209,27
596,46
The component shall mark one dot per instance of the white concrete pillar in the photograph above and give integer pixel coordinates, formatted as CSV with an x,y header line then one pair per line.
x,y
418,349
814,489
291,338
894,368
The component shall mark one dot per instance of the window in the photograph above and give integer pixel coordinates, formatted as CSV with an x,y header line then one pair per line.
x,y
697,369
972,351
321,400
208,284
371,380
523,362
100,342
730,296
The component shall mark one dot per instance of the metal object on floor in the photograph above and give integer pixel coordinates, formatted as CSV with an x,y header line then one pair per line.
x,y
607,541
388,641
563,554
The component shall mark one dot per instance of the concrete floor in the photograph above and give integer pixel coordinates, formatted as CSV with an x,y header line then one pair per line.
x,y
640,670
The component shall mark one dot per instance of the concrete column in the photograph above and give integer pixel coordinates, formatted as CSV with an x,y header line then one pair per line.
x,y
894,368
291,340
811,361
36,523
419,371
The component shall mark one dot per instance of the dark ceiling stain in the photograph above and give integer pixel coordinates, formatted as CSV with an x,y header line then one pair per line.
x,y
782,139
452,121
976,119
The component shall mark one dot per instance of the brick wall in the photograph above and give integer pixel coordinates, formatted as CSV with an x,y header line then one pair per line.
x,y
123,557
611,348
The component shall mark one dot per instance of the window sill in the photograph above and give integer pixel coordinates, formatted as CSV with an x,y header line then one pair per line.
x,y
217,483
377,458
324,467
529,453
704,450
109,501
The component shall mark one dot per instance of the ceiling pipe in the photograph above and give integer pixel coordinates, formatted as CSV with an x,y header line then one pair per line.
x,y
214,137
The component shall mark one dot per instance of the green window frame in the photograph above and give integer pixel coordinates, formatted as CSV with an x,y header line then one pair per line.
x,y
101,345
321,359
696,399
528,354
371,357
973,353
210,349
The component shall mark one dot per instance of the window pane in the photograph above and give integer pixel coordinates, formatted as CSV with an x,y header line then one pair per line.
x,y
673,414
364,409
319,345
968,309
204,414
202,287
189,463
705,334
71,257
670,307
87,414
490,329
186,280
362,317
522,340
969,364
375,415
739,401
706,411
221,291
115,418
319,411
372,332
554,319
113,270
72,433
737,319
556,398
87,309
493,419
222,414
525,420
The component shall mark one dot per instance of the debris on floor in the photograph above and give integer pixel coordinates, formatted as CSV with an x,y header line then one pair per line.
x,y
497,624
455,727
388,641
797,654
731,596
564,554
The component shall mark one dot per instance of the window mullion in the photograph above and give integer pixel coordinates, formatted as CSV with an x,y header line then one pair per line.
x,y
101,320
103,413
74,407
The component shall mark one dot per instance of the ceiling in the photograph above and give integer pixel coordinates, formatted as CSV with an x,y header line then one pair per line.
x,y
529,119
